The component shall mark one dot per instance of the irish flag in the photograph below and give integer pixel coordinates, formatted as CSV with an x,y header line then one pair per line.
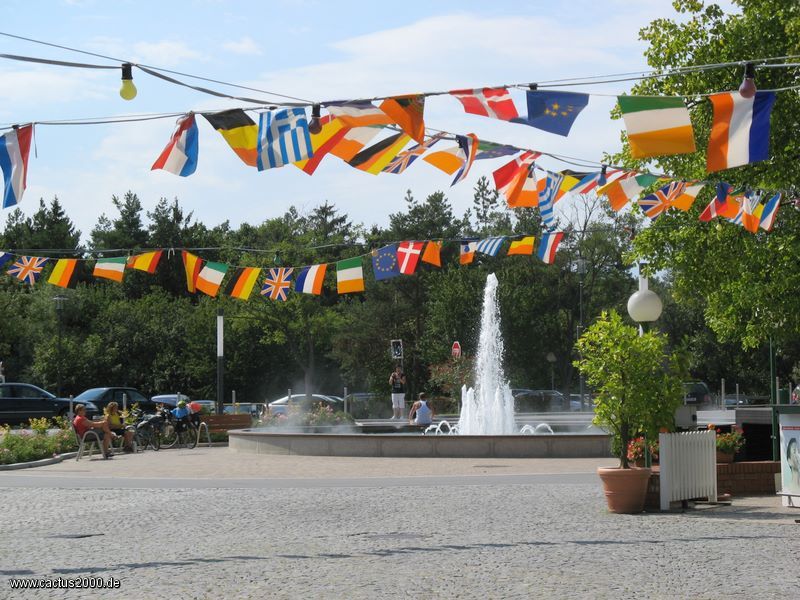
x,y
210,277
110,268
657,126
349,276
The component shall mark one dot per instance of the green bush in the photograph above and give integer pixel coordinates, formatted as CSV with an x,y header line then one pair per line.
x,y
27,447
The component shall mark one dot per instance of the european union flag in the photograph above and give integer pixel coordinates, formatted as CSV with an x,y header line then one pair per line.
x,y
384,262
553,111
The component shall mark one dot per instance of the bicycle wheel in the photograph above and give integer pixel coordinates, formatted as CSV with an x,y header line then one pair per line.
x,y
155,440
191,437
169,436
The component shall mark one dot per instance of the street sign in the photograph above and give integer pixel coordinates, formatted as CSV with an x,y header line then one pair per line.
x,y
456,351
396,349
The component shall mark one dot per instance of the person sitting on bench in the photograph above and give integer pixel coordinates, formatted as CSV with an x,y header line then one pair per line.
x,y
82,425
420,413
117,426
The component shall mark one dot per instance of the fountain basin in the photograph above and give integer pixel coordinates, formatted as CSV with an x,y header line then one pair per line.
x,y
254,441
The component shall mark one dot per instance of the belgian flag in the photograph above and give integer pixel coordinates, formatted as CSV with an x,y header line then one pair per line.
x,y
63,274
239,130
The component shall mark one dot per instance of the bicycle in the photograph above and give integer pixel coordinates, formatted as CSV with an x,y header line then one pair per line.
x,y
148,431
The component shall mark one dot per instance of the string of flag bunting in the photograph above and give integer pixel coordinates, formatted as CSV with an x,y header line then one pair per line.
x,y
391,260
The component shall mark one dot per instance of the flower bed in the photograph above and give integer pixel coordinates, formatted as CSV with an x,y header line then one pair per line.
x,y
319,416
28,446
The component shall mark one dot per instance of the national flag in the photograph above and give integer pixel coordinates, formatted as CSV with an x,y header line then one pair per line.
x,y
751,213
5,257
688,196
769,212
553,111
14,148
721,205
147,261
403,160
112,268
659,201
278,283
63,273
467,253
590,181
521,247
239,130
353,141
740,130
487,102
375,158
309,279
283,138
510,178
408,254
657,126
623,190
528,195
549,246
210,277
384,262
492,150
28,268
242,282
331,133
408,113
448,160
469,145
490,246
432,254
551,190
349,276
181,153
191,266
359,114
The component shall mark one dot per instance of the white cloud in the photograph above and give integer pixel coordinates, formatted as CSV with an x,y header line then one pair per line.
x,y
165,53
245,45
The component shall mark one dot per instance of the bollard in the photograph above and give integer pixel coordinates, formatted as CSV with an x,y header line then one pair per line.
x,y
345,399
124,402
71,412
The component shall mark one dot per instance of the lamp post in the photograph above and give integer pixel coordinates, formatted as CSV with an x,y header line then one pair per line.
x,y
580,267
644,306
59,304
551,358
220,361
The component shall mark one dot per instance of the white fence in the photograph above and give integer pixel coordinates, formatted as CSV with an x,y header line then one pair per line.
x,y
688,466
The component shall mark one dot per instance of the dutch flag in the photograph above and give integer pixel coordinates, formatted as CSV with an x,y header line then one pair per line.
x,y
14,148
180,155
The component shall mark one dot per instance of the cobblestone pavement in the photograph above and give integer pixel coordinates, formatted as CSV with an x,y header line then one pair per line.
x,y
460,537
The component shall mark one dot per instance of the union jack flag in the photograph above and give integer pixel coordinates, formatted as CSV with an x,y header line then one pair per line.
x,y
403,160
277,283
659,201
28,268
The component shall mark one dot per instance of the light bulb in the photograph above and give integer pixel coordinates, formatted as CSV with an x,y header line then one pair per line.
x,y
748,87
127,90
602,179
314,126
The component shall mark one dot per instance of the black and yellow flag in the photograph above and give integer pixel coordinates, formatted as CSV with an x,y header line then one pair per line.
x,y
239,130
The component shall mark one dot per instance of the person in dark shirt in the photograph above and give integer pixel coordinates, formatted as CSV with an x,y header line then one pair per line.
x,y
397,381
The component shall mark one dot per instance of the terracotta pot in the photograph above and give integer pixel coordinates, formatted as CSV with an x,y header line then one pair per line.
x,y
724,457
625,489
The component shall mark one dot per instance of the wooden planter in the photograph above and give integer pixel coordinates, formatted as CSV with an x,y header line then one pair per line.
x,y
625,489
724,457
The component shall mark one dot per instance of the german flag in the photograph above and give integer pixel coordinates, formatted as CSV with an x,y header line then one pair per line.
x,y
408,112
522,247
63,274
147,262
242,282
192,265
239,130
375,158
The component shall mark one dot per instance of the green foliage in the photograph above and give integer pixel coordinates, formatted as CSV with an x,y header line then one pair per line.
x,y
26,447
449,376
40,425
638,381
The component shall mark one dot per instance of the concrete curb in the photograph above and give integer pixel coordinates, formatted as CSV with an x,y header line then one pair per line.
x,y
38,463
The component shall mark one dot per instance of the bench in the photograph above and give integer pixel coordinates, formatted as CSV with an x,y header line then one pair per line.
x,y
222,424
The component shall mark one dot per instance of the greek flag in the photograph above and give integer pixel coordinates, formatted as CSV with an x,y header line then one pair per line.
x,y
548,197
283,138
490,246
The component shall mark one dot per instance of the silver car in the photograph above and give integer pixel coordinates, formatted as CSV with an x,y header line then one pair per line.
x,y
305,402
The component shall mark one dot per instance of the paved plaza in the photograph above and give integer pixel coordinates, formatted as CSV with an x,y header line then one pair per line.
x,y
210,523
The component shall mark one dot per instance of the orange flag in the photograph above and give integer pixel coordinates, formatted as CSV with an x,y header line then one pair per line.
x,y
432,254
408,112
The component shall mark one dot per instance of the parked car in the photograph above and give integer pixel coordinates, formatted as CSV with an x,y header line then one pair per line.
x,y
696,392
254,409
22,401
102,396
526,400
733,401
279,406
170,400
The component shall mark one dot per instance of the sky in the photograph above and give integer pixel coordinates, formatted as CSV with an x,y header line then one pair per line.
x,y
308,49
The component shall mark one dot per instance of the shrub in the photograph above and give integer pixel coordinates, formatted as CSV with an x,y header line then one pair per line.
x,y
40,425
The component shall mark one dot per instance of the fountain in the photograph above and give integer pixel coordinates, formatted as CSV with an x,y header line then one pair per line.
x,y
489,408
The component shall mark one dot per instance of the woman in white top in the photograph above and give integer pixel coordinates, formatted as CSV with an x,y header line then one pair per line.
x,y
420,413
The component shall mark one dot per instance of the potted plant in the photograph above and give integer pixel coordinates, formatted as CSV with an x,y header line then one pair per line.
x,y
636,450
637,380
728,444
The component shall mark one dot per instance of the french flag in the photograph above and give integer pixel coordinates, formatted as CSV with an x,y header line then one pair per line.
x,y
549,246
769,212
14,149
180,155
740,130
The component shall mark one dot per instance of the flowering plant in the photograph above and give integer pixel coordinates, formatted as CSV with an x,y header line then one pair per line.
x,y
636,449
729,443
